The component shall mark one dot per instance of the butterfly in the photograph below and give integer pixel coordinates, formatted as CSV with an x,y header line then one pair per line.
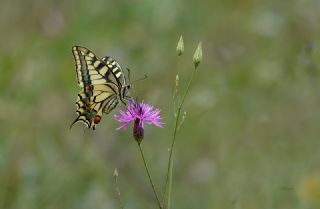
x,y
103,85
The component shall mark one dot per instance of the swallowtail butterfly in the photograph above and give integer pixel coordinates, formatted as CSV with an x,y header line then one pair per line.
x,y
103,85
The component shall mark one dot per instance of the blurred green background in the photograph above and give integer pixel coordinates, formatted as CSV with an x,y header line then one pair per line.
x,y
251,136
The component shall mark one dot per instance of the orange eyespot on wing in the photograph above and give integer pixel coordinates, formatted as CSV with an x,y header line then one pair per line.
x,y
96,119
87,89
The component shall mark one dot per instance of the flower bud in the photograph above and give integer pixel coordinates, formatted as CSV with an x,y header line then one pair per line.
x,y
177,80
115,172
197,57
180,46
138,131
184,115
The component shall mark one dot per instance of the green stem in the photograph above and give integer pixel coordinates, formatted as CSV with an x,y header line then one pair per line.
x,y
149,176
168,184
118,191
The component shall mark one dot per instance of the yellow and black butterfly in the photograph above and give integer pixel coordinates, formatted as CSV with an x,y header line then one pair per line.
x,y
103,85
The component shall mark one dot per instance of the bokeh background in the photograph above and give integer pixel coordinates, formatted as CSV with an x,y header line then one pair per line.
x,y
251,136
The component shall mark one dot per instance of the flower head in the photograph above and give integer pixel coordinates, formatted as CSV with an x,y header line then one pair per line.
x,y
139,113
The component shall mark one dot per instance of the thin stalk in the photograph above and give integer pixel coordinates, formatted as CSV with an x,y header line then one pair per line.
x,y
149,176
118,190
168,184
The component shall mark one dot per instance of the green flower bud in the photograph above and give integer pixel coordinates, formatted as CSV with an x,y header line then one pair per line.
x,y
115,173
197,57
177,80
180,46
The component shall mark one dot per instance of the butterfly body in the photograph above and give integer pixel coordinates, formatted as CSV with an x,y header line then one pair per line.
x,y
102,83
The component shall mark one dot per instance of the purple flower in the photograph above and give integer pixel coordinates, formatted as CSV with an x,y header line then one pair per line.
x,y
139,114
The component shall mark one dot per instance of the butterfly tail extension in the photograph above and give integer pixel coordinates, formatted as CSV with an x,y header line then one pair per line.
x,y
74,122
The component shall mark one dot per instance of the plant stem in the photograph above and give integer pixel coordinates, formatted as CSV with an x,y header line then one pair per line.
x,y
118,191
149,176
168,184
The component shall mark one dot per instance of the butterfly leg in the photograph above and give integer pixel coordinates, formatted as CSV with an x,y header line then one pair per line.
x,y
123,101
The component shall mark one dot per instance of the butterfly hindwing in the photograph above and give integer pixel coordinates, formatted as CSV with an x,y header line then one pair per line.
x,y
90,109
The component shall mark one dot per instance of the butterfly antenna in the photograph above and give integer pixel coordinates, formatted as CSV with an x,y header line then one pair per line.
x,y
129,77
140,79
128,74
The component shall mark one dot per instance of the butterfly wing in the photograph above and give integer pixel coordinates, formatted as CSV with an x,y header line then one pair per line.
x,y
119,78
90,70
117,72
90,109
101,84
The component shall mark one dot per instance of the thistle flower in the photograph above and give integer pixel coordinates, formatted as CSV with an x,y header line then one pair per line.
x,y
139,114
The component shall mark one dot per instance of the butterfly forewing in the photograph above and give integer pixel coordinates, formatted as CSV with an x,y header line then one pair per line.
x,y
116,71
89,69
